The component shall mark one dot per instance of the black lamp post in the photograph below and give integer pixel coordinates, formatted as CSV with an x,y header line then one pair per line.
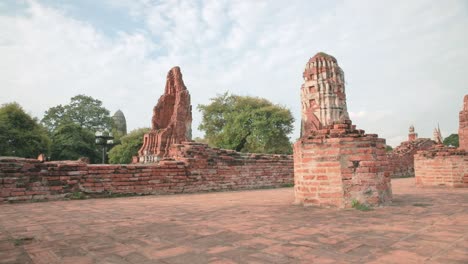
x,y
104,139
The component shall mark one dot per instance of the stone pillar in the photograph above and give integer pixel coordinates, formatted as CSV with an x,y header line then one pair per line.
x,y
463,126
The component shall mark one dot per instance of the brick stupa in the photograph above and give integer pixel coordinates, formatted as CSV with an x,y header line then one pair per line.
x,y
323,94
335,164
171,122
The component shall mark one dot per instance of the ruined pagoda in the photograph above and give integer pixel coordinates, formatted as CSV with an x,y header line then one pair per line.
x,y
171,122
323,94
335,164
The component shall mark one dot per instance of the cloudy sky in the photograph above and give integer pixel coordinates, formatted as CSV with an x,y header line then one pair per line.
x,y
405,62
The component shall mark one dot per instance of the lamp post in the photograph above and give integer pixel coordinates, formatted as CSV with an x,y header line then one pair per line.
x,y
104,139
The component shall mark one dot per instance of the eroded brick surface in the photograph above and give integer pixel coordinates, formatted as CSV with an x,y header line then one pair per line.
x,y
463,127
339,165
445,166
323,95
423,225
171,122
442,166
198,168
335,164
401,159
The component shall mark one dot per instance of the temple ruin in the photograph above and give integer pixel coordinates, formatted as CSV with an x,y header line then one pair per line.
x,y
323,96
445,166
401,159
335,164
171,122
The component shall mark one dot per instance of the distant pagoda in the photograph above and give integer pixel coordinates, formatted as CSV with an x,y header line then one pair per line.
x,y
120,124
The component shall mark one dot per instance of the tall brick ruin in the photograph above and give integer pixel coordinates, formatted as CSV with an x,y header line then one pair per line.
x,y
442,165
323,94
171,122
463,127
335,164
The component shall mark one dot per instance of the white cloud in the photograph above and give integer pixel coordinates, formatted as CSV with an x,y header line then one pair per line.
x,y
404,61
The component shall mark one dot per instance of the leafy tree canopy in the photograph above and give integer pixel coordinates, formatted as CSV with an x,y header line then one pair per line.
x,y
247,124
130,144
20,134
452,140
70,141
83,110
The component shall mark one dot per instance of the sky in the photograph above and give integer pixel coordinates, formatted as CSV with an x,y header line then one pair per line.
x,y
405,62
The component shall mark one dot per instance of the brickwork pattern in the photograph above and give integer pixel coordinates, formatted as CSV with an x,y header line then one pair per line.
x,y
445,166
323,96
442,166
401,159
171,122
338,165
197,168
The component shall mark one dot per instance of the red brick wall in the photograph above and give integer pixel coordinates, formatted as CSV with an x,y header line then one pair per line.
x,y
441,167
337,165
317,174
197,168
401,159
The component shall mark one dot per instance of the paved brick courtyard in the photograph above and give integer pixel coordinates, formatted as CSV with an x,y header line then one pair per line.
x,y
422,226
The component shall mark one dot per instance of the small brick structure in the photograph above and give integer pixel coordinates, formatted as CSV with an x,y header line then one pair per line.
x,y
335,164
196,168
442,166
401,159
445,166
338,165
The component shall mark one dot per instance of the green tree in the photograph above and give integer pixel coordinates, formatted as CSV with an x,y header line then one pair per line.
x,y
452,140
247,124
130,144
70,141
20,134
83,110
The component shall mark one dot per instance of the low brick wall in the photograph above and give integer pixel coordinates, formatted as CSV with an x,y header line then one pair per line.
x,y
196,168
401,159
441,167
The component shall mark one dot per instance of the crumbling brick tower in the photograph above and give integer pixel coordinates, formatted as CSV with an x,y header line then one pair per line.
x,y
323,95
463,128
334,163
171,122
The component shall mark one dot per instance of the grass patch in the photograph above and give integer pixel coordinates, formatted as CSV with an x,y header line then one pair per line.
x,y
287,185
422,204
22,240
360,206
77,196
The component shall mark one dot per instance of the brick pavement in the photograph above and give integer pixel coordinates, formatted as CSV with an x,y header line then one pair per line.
x,y
423,225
